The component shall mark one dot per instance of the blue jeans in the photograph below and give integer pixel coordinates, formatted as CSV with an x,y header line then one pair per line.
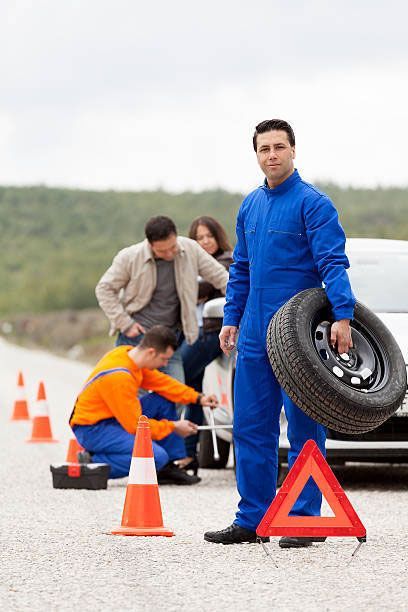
x,y
108,442
175,366
196,358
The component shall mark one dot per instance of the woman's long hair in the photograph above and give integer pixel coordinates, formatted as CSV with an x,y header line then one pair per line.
x,y
215,228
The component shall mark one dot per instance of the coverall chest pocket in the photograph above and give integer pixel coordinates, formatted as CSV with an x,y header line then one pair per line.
x,y
285,245
250,242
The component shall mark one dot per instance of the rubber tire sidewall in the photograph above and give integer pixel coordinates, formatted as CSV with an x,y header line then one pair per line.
x,y
367,411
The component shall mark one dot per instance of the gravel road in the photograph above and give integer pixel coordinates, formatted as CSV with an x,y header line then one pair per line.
x,y
55,554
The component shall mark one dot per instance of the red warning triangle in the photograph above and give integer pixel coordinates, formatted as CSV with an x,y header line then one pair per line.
x,y
277,521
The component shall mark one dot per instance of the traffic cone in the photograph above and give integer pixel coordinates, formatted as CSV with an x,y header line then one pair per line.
x,y
20,410
41,421
142,514
73,449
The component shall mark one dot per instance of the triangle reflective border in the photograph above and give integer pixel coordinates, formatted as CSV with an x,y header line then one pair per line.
x,y
311,463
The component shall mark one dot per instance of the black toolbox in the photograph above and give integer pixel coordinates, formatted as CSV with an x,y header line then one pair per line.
x,y
80,475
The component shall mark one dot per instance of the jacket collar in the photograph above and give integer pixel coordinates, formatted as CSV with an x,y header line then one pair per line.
x,y
147,251
283,187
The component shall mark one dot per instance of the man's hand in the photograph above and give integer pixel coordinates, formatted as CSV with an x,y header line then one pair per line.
x,y
135,330
340,336
185,428
227,338
209,400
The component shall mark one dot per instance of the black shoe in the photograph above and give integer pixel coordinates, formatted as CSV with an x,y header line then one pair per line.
x,y
234,534
84,457
172,474
192,466
287,542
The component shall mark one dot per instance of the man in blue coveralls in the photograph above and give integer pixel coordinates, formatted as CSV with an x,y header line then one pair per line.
x,y
288,239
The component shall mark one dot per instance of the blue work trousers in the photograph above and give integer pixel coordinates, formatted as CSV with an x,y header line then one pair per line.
x,y
108,442
258,405
196,358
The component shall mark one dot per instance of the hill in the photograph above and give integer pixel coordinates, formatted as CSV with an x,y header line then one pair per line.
x,y
56,243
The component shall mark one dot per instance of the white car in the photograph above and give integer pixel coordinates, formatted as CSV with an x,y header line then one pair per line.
x,y
379,278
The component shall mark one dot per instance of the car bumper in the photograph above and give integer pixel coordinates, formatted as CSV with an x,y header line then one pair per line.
x,y
372,452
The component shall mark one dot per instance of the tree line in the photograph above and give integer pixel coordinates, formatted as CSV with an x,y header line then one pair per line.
x,y
56,243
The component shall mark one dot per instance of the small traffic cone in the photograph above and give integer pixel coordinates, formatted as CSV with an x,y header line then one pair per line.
x,y
142,514
20,410
74,448
41,421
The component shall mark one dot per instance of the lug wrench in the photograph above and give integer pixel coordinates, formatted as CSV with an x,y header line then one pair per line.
x,y
207,427
214,437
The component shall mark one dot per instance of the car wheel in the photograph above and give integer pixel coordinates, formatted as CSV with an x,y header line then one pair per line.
x,y
206,452
350,393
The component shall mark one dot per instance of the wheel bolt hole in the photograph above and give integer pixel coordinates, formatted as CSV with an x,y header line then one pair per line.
x,y
319,335
323,354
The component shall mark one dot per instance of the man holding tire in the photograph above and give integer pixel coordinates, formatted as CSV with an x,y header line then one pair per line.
x,y
288,239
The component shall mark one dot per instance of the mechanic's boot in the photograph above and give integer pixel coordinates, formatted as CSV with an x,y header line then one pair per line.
x,y
287,542
191,466
234,534
173,474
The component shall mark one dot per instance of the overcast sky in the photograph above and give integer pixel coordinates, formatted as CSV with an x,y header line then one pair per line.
x,y
135,95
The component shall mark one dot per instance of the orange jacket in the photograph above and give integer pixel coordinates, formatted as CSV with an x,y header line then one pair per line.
x,y
116,394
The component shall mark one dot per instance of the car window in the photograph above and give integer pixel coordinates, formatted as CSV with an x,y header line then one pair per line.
x,y
380,280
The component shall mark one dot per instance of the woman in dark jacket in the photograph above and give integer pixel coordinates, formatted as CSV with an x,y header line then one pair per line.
x,y
212,237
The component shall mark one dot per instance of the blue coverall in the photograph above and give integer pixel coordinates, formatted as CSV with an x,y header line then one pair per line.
x,y
288,239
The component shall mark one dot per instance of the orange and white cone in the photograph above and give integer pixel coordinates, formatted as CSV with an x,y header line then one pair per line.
x,y
142,514
41,431
73,449
20,409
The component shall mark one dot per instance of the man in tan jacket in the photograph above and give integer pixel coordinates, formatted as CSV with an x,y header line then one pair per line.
x,y
155,282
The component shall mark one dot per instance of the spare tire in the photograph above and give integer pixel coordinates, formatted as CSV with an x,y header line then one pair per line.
x,y
351,393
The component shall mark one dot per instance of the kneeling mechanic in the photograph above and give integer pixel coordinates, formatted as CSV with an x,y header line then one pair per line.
x,y
107,410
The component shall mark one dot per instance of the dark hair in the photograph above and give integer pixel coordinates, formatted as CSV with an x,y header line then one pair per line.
x,y
159,228
215,228
274,124
160,338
